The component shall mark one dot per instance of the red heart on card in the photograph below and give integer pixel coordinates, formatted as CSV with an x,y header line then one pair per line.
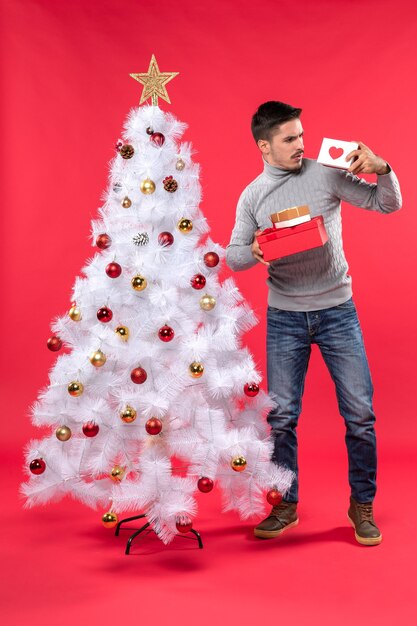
x,y
335,153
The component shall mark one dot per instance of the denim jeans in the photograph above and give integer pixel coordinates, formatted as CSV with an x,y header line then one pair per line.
x,y
338,335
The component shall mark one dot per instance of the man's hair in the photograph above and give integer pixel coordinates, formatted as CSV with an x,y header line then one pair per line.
x,y
269,116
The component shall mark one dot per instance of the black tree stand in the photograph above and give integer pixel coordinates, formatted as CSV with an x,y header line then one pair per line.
x,y
145,526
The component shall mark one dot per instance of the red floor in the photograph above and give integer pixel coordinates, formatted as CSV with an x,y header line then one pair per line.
x,y
64,568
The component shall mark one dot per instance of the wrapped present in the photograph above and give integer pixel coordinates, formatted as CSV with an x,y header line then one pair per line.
x,y
333,153
291,217
279,242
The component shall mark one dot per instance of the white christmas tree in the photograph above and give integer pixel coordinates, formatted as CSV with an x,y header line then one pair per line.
x,y
155,397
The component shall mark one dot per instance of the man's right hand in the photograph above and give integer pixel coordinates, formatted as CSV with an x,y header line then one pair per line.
x,y
256,251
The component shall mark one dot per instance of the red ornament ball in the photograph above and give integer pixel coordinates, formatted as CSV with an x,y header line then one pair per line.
x,y
149,130
37,466
104,315
184,525
103,241
90,429
158,139
166,239
113,270
251,389
54,344
211,259
153,426
274,497
138,375
166,333
205,484
198,281
119,144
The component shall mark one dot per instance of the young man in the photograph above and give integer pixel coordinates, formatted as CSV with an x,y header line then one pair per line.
x,y
310,301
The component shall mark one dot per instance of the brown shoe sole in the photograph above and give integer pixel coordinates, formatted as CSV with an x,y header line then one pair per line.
x,y
366,541
270,534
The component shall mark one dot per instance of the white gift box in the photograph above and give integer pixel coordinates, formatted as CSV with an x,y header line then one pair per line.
x,y
333,153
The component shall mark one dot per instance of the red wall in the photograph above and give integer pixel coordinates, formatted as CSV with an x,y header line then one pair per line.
x,y
66,92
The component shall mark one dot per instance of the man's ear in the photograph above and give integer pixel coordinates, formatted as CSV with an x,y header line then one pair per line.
x,y
263,146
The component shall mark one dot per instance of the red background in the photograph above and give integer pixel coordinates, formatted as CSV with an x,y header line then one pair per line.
x,y
65,94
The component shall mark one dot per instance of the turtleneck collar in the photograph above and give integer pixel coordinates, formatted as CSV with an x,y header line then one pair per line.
x,y
276,172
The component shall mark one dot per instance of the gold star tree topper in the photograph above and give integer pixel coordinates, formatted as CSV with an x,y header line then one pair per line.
x,y
154,83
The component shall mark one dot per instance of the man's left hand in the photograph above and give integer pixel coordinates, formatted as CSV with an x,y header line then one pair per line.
x,y
366,162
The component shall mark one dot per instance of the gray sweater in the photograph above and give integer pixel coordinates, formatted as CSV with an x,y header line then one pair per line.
x,y
317,278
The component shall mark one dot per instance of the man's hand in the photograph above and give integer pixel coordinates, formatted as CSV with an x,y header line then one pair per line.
x,y
366,162
256,251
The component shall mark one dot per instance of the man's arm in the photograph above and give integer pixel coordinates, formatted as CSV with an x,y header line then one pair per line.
x,y
243,250
383,196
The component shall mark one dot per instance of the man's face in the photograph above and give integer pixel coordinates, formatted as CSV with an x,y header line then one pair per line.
x,y
286,147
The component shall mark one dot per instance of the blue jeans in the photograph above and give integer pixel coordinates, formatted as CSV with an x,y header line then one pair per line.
x,y
337,333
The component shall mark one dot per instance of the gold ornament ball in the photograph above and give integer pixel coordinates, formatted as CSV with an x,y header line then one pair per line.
x,y
117,473
109,519
196,369
128,414
126,202
238,463
122,332
207,303
180,165
75,313
139,283
97,358
147,186
75,388
185,225
63,433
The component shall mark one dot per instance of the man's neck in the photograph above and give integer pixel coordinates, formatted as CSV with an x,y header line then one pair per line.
x,y
276,171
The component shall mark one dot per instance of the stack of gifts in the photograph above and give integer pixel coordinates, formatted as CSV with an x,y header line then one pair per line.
x,y
293,230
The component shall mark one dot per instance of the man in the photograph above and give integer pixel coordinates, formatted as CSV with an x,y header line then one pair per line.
x,y
310,301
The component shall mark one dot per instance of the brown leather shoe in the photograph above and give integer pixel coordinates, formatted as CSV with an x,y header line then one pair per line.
x,y
282,516
362,519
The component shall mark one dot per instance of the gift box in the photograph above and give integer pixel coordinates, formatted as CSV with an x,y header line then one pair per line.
x,y
291,217
333,153
279,242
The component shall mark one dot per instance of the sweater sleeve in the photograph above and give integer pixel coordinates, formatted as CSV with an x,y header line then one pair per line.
x,y
383,196
239,251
